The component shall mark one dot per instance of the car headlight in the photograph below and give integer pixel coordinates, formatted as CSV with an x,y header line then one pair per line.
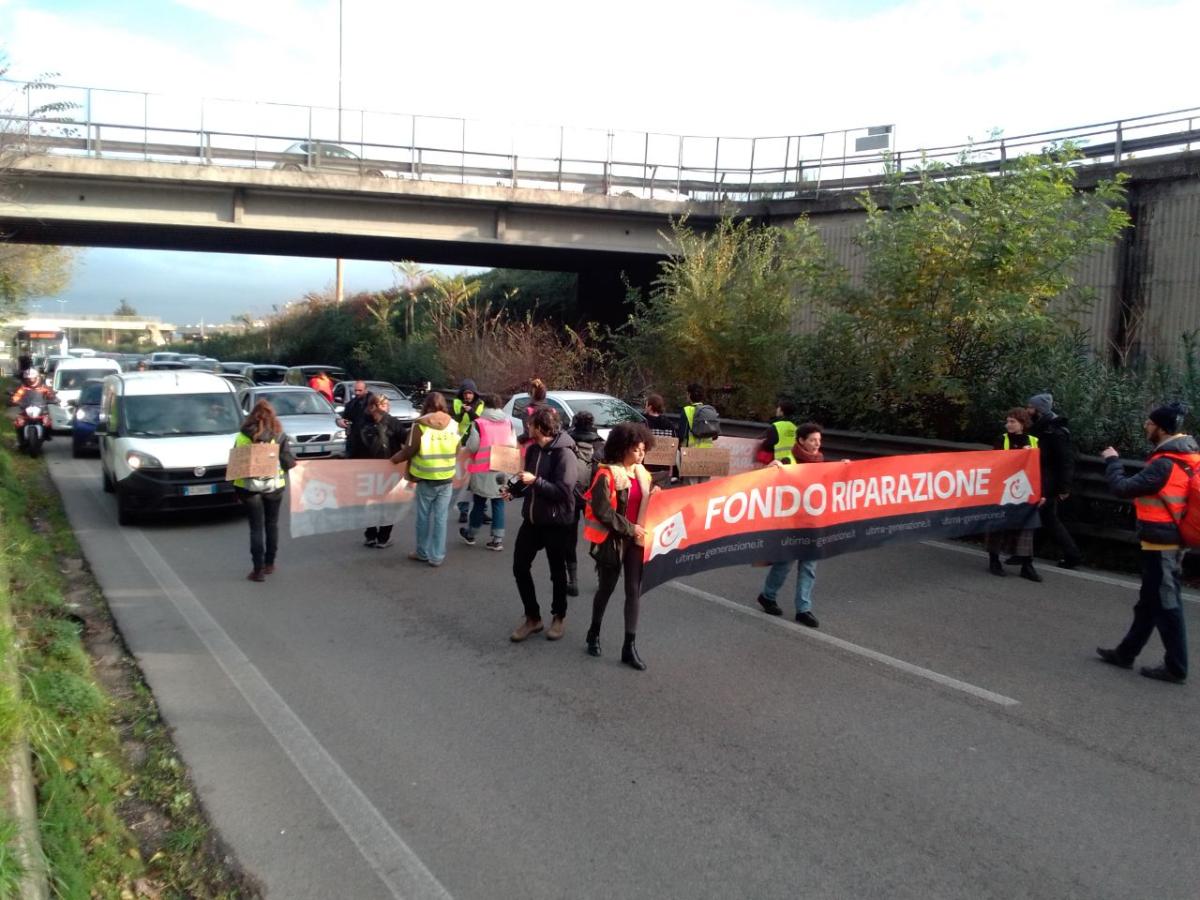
x,y
339,435
80,415
139,460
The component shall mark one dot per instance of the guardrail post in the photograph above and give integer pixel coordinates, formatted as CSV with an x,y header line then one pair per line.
x,y
514,170
561,143
716,165
679,167
750,188
1117,147
462,159
87,118
645,159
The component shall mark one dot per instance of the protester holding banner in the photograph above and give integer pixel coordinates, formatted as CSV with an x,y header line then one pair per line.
x,y
547,519
490,429
618,500
1160,500
431,452
589,450
382,437
779,438
262,496
1018,543
807,449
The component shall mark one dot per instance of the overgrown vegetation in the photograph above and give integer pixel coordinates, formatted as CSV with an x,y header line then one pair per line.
x,y
103,762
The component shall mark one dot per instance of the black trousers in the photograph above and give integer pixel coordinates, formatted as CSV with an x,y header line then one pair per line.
x,y
1053,527
263,511
557,541
631,564
380,533
1160,605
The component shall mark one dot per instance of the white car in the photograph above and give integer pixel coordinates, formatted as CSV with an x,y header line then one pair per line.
x,y
165,439
68,380
313,428
607,410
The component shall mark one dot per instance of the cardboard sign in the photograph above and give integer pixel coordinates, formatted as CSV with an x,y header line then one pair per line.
x,y
704,462
252,461
506,459
664,452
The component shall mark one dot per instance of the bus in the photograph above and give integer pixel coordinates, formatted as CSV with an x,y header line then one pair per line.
x,y
36,342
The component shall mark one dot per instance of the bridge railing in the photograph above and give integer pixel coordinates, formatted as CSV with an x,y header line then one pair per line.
x,y
648,165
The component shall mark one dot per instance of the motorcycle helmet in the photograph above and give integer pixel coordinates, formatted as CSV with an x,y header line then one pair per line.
x,y
31,376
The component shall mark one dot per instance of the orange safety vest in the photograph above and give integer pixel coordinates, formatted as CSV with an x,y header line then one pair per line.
x,y
490,434
594,530
1168,505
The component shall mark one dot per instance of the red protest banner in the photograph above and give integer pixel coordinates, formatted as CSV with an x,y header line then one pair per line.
x,y
823,509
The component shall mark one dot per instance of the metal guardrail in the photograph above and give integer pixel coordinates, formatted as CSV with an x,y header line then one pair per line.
x,y
142,125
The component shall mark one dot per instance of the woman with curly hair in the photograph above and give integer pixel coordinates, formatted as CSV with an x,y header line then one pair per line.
x,y
615,512
262,497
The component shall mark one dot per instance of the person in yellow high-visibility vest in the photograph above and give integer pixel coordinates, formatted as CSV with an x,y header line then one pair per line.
x,y
1017,543
687,422
780,437
431,454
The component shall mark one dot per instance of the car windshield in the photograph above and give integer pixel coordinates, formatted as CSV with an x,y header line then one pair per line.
x,y
386,390
607,411
296,403
73,379
174,414
269,375
90,394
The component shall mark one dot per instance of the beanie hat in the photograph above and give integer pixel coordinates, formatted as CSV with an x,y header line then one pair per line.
x,y
1169,417
1043,403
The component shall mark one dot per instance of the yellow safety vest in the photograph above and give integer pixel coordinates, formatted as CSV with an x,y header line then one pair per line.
x,y
435,457
689,413
785,440
1033,442
259,485
463,415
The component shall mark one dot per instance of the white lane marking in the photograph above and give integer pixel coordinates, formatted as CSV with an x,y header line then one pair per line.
x,y
1070,573
397,866
910,668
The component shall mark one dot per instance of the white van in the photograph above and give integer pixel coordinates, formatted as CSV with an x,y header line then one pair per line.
x,y
165,439
68,380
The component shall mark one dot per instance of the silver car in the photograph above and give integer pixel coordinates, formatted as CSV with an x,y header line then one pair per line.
x,y
322,156
605,409
309,419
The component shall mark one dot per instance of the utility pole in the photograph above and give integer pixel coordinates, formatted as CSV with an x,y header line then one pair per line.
x,y
338,290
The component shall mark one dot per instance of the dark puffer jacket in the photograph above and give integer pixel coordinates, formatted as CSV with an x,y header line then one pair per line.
x,y
550,499
1150,481
1057,454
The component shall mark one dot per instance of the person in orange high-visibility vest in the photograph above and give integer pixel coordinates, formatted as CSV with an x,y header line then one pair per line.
x,y
491,428
612,523
1159,494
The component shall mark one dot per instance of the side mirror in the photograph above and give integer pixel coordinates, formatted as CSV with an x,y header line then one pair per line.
x,y
339,409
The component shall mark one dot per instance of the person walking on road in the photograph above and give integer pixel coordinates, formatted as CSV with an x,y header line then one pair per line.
x,y
547,520
262,497
807,449
491,429
1016,542
465,409
780,437
431,453
613,524
354,414
698,426
1159,494
589,450
1058,471
382,438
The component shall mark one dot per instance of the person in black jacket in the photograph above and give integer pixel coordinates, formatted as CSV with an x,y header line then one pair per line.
x,y
381,438
1159,493
589,450
547,519
354,414
1058,471
1018,542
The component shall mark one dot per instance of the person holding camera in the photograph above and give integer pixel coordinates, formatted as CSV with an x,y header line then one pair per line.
x,y
547,519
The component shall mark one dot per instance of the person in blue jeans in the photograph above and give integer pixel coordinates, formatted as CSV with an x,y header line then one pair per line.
x,y
431,454
807,450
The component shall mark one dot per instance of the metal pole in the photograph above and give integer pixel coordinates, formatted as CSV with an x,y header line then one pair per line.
x,y
462,167
1117,149
750,187
561,139
844,137
87,114
339,128
679,167
145,126
646,163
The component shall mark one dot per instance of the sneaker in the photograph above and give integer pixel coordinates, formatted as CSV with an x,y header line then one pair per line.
x,y
468,538
269,569
383,545
256,575
370,542
808,620
1162,673
417,557
1111,657
558,625
770,607
495,544
433,564
525,629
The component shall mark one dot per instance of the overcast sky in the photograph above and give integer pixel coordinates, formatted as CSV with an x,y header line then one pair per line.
x,y
941,71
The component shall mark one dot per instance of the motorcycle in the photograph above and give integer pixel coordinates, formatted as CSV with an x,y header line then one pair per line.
x,y
33,424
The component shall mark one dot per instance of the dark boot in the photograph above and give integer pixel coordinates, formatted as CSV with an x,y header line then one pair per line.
x,y
995,566
593,641
572,579
1028,571
629,654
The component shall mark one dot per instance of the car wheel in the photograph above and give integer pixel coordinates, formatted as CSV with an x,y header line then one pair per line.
x,y
290,167
106,480
374,173
124,513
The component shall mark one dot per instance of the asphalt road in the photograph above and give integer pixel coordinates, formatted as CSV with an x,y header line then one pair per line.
x,y
361,727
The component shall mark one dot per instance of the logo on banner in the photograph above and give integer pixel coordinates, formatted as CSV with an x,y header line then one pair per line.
x,y
1017,489
318,495
668,535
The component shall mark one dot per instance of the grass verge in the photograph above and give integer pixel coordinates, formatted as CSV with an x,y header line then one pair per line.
x,y
118,814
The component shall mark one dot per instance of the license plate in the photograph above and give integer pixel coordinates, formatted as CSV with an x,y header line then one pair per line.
x,y
199,490
312,451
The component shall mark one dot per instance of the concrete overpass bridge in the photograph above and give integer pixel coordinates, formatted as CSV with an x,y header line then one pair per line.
x,y
153,328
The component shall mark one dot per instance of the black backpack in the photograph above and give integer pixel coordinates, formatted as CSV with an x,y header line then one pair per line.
x,y
705,422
